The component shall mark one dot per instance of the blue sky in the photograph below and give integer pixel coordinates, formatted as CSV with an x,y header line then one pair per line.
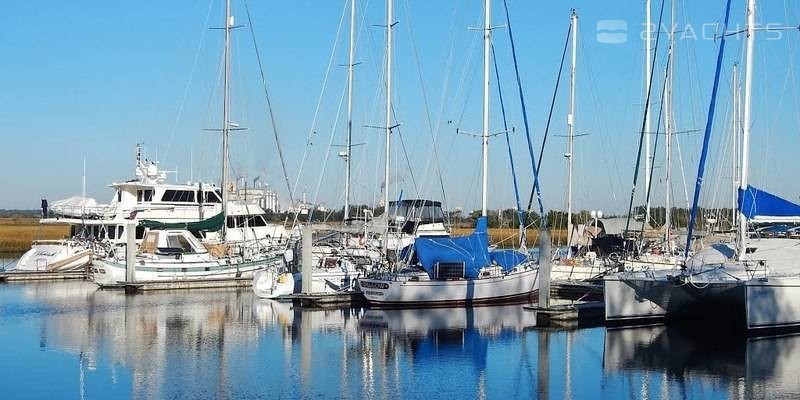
x,y
91,79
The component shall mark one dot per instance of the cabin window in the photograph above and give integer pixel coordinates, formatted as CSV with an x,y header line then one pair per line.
x,y
179,242
256,220
139,232
119,196
178,196
112,232
213,197
120,232
144,195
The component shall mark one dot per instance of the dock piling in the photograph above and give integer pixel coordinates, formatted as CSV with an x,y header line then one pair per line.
x,y
544,268
307,269
130,252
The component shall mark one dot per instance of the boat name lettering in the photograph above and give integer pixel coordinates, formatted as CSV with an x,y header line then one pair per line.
x,y
374,285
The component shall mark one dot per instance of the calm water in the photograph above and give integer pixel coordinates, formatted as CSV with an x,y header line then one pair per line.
x,y
68,340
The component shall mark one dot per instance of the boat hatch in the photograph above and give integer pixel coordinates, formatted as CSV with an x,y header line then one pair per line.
x,y
450,270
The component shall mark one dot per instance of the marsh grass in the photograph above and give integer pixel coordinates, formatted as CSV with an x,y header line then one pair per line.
x,y
509,237
17,233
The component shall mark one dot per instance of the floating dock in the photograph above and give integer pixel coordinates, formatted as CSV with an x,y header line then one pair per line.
x,y
182,284
569,314
30,276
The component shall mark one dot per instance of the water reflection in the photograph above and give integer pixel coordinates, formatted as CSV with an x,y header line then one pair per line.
x,y
222,344
739,367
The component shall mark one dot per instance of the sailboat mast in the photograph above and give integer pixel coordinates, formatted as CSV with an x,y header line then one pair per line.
x,y
83,189
647,129
668,128
487,48
746,124
226,114
389,26
349,109
736,129
571,127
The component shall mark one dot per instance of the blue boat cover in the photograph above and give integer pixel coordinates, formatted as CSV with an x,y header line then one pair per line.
x,y
508,259
472,250
756,203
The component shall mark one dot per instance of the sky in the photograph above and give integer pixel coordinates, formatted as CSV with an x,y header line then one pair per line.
x,y
89,79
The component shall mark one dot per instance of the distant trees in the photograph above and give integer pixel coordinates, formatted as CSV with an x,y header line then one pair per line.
x,y
716,218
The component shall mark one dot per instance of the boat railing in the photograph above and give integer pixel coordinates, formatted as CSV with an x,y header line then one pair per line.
x,y
756,269
93,212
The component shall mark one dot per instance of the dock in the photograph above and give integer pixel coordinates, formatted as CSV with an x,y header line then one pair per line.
x,y
569,314
181,284
32,276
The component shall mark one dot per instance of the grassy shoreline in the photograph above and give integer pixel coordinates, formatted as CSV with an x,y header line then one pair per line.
x,y
509,237
17,233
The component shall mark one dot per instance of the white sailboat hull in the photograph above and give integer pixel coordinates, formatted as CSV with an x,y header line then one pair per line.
x,y
514,287
107,272
270,283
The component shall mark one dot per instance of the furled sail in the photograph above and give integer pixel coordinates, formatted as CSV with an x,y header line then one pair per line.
x,y
760,206
207,225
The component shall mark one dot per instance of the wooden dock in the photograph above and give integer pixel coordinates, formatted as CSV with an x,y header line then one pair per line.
x,y
182,284
32,276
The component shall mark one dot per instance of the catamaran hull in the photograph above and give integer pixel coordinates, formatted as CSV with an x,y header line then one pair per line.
x,y
508,289
635,299
111,273
772,303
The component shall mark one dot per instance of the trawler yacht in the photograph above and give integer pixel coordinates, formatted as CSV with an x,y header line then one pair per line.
x,y
94,227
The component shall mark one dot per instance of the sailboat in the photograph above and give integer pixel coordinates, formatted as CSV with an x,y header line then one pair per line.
x,y
171,251
755,280
458,270
660,252
342,256
338,259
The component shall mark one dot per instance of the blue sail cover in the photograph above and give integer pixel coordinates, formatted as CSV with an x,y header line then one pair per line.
x,y
757,204
472,250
